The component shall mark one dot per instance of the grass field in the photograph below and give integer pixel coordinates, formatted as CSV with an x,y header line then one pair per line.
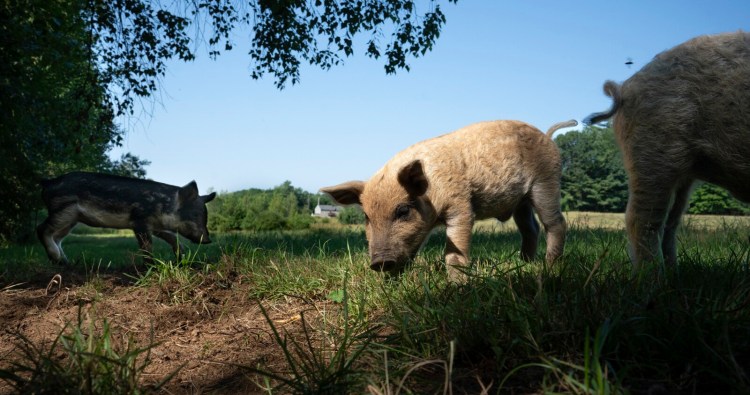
x,y
301,312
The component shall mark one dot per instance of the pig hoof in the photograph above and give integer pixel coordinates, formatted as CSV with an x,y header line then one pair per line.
x,y
457,276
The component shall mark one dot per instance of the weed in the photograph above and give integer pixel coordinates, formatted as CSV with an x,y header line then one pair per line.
x,y
81,360
594,377
321,365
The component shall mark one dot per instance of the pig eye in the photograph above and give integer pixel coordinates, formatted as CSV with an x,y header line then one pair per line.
x,y
402,211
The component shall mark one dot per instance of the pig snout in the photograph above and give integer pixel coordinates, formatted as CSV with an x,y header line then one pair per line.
x,y
384,261
383,266
391,254
203,237
197,237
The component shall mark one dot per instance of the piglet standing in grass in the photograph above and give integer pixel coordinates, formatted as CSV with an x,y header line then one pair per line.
x,y
108,201
683,117
493,169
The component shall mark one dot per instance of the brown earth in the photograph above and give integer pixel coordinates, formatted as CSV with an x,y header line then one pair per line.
x,y
205,338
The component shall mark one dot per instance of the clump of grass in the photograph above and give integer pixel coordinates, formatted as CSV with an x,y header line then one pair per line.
x,y
311,272
178,279
594,377
81,360
326,361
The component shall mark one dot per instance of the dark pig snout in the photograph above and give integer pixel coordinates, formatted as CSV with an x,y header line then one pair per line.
x,y
383,266
383,261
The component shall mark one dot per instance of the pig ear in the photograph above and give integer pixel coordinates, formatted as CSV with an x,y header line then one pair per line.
x,y
346,193
188,192
413,179
209,197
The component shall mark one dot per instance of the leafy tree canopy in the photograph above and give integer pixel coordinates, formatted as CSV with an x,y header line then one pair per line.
x,y
351,215
68,68
593,177
710,199
133,39
55,114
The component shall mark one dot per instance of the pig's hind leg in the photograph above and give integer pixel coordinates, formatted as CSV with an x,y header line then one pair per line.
x,y
655,204
669,242
529,228
53,230
44,232
546,201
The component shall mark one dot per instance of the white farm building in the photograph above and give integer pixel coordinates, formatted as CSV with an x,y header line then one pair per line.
x,y
326,211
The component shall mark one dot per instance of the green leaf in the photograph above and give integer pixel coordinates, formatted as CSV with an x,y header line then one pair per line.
x,y
337,296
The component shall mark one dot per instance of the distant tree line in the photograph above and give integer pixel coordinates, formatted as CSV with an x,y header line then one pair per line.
x,y
351,215
594,179
282,207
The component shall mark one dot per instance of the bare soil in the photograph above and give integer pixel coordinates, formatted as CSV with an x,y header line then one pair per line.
x,y
206,338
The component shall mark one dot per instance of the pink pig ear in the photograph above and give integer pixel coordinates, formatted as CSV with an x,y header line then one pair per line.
x,y
346,193
413,179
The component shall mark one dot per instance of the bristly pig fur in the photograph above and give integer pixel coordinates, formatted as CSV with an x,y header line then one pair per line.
x,y
103,200
684,117
493,169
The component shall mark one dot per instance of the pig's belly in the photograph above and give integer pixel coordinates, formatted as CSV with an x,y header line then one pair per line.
x,y
98,217
499,205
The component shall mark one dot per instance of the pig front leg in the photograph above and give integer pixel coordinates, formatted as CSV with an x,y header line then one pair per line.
x,y
458,241
145,243
171,239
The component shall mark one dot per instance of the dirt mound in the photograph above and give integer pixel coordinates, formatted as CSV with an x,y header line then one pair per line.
x,y
205,338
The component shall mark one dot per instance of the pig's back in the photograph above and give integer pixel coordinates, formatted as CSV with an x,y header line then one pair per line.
x,y
499,148
110,192
485,143
699,86
494,162
693,100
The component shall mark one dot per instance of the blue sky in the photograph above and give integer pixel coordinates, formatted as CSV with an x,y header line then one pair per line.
x,y
536,61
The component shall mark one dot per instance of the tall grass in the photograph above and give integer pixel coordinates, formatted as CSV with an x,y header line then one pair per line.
x,y
588,324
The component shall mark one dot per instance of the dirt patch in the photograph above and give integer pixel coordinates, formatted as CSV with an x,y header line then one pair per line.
x,y
204,339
